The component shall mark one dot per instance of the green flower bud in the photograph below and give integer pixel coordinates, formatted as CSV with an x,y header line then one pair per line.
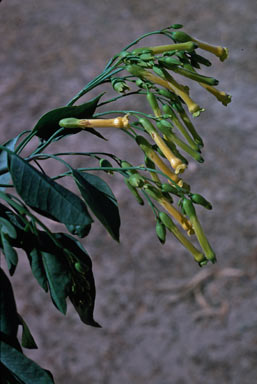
x,y
134,192
199,199
153,104
119,85
135,70
169,62
188,208
146,57
160,72
166,187
136,180
161,231
69,122
166,220
153,192
180,37
176,26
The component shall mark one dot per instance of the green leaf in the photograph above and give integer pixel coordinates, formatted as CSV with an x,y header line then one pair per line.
x,y
10,253
59,279
48,124
4,174
100,199
37,267
8,313
7,228
27,340
82,293
24,368
7,377
46,196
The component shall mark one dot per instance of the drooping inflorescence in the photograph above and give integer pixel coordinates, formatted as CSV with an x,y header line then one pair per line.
x,y
155,71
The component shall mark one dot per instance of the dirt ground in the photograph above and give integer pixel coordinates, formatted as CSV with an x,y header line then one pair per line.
x,y
164,320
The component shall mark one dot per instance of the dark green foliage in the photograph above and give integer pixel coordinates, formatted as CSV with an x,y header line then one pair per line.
x,y
100,200
22,369
47,197
9,317
48,124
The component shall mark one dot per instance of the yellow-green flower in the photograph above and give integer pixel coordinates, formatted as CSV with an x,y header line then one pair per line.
x,y
117,122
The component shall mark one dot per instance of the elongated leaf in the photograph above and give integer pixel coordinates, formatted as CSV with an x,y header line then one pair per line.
x,y
27,340
82,294
100,199
4,174
24,368
48,197
10,253
37,267
7,377
59,279
8,313
7,228
48,124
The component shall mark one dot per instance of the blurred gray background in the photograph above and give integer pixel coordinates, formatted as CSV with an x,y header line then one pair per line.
x,y
208,334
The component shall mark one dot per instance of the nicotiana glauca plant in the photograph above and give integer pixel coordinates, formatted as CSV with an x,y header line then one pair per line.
x,y
168,140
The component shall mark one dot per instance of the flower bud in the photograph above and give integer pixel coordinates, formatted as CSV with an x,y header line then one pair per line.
x,y
166,187
136,180
134,192
199,199
161,231
176,26
153,192
119,85
70,122
153,104
169,62
180,37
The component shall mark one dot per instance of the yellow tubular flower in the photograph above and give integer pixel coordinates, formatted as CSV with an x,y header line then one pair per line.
x,y
175,162
188,46
117,122
193,108
219,51
167,221
183,221
221,96
152,155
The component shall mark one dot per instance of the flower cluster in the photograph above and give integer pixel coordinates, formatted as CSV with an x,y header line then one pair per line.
x,y
153,71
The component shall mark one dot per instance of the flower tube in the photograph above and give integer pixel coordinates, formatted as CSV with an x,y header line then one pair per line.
x,y
117,122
